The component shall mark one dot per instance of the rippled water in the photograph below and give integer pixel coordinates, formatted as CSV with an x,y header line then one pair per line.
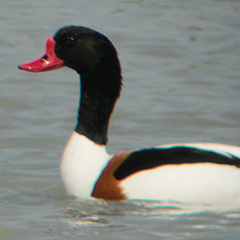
x,y
180,63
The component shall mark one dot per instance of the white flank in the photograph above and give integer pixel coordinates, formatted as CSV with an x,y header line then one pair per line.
x,y
195,183
82,163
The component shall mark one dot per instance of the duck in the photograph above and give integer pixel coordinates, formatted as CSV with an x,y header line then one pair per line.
x,y
183,172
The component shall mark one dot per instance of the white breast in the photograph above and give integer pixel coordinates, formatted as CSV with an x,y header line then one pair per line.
x,y
82,163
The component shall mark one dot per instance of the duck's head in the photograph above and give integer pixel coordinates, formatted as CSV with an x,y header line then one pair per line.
x,y
82,49
94,57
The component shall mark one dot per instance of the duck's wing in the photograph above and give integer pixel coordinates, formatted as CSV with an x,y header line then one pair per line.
x,y
151,158
129,165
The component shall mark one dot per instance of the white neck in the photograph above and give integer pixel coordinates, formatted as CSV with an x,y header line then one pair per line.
x,y
82,163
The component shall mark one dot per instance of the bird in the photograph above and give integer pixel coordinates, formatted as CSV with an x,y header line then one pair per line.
x,y
182,172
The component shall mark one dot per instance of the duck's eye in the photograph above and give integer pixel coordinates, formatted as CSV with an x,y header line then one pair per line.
x,y
70,39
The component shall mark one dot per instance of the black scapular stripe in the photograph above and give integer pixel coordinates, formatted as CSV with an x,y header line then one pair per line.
x,y
155,157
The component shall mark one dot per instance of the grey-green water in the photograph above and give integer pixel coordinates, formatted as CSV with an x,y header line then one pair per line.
x,y
181,71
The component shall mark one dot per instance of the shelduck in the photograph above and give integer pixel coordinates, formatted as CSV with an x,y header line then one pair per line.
x,y
189,172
